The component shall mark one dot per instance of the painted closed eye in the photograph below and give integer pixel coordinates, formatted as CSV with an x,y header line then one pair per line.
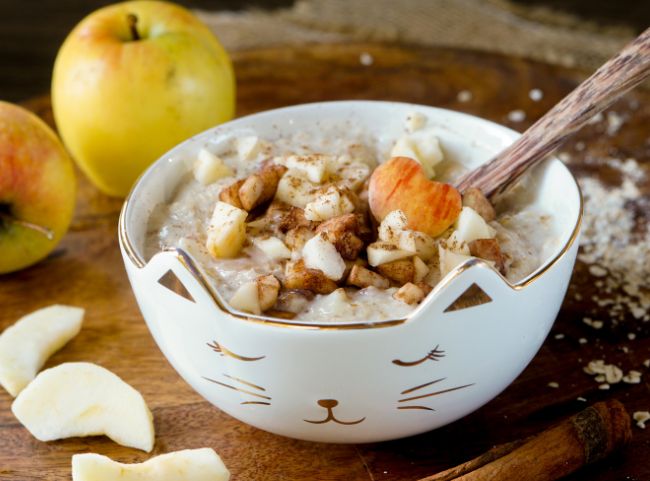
x,y
219,349
434,354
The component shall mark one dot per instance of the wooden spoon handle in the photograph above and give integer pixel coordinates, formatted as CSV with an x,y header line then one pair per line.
x,y
622,72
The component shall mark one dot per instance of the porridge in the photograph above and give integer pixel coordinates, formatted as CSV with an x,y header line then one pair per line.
x,y
340,225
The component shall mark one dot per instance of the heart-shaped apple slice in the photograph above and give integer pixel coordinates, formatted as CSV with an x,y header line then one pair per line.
x,y
400,183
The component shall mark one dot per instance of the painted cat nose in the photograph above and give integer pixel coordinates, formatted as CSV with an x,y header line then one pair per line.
x,y
328,403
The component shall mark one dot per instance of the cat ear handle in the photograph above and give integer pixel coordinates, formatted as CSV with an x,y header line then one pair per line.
x,y
178,277
471,284
182,298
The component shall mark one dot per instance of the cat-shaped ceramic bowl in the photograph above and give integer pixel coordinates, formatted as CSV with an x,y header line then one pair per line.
x,y
360,382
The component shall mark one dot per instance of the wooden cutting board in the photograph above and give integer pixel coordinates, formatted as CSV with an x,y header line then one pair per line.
x,y
86,270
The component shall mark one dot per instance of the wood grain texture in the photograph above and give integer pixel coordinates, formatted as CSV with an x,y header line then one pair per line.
x,y
624,71
86,270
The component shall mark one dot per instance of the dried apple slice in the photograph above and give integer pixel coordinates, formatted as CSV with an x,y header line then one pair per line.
x,y
400,183
26,345
191,464
84,399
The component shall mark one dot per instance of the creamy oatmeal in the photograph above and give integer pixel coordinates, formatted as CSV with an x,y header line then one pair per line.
x,y
323,228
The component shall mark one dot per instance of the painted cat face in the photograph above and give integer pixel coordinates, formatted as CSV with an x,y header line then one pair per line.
x,y
418,397
326,385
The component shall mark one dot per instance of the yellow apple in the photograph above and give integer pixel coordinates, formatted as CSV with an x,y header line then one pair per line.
x,y
37,188
132,80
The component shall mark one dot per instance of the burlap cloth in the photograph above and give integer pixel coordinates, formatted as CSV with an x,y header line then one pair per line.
x,y
491,25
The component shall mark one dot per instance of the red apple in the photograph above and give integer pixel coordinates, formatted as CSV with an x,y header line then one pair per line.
x,y
37,188
400,183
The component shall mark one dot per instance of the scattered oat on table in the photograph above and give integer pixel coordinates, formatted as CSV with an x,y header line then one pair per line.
x,y
611,244
464,96
366,59
516,115
641,417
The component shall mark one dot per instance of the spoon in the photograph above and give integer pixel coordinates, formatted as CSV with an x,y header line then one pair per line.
x,y
619,74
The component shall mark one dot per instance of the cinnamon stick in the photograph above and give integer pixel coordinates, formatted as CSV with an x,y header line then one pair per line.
x,y
587,437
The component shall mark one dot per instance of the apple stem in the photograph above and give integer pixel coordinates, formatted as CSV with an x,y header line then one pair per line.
x,y
28,225
132,19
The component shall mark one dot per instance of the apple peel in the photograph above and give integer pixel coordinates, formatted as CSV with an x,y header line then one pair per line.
x,y
401,184
27,344
193,464
84,399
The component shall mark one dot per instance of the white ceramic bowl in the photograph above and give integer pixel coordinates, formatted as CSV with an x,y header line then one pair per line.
x,y
358,382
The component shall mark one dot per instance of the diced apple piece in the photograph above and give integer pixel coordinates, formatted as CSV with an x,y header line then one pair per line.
x,y
84,399
261,186
415,121
272,247
361,277
417,242
336,303
226,231
342,232
421,269
321,254
400,183
315,167
268,288
293,218
230,194
471,226
400,271
409,293
297,238
449,260
249,146
250,191
455,244
295,300
475,199
422,147
352,174
297,276
404,147
190,464
246,298
328,204
489,250
425,286
383,252
27,344
392,226
427,147
295,189
209,168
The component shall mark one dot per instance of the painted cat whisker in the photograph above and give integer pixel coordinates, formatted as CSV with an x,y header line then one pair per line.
x,y
236,388
422,385
255,386
435,393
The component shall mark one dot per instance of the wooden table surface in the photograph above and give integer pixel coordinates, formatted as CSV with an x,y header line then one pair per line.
x,y
86,270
